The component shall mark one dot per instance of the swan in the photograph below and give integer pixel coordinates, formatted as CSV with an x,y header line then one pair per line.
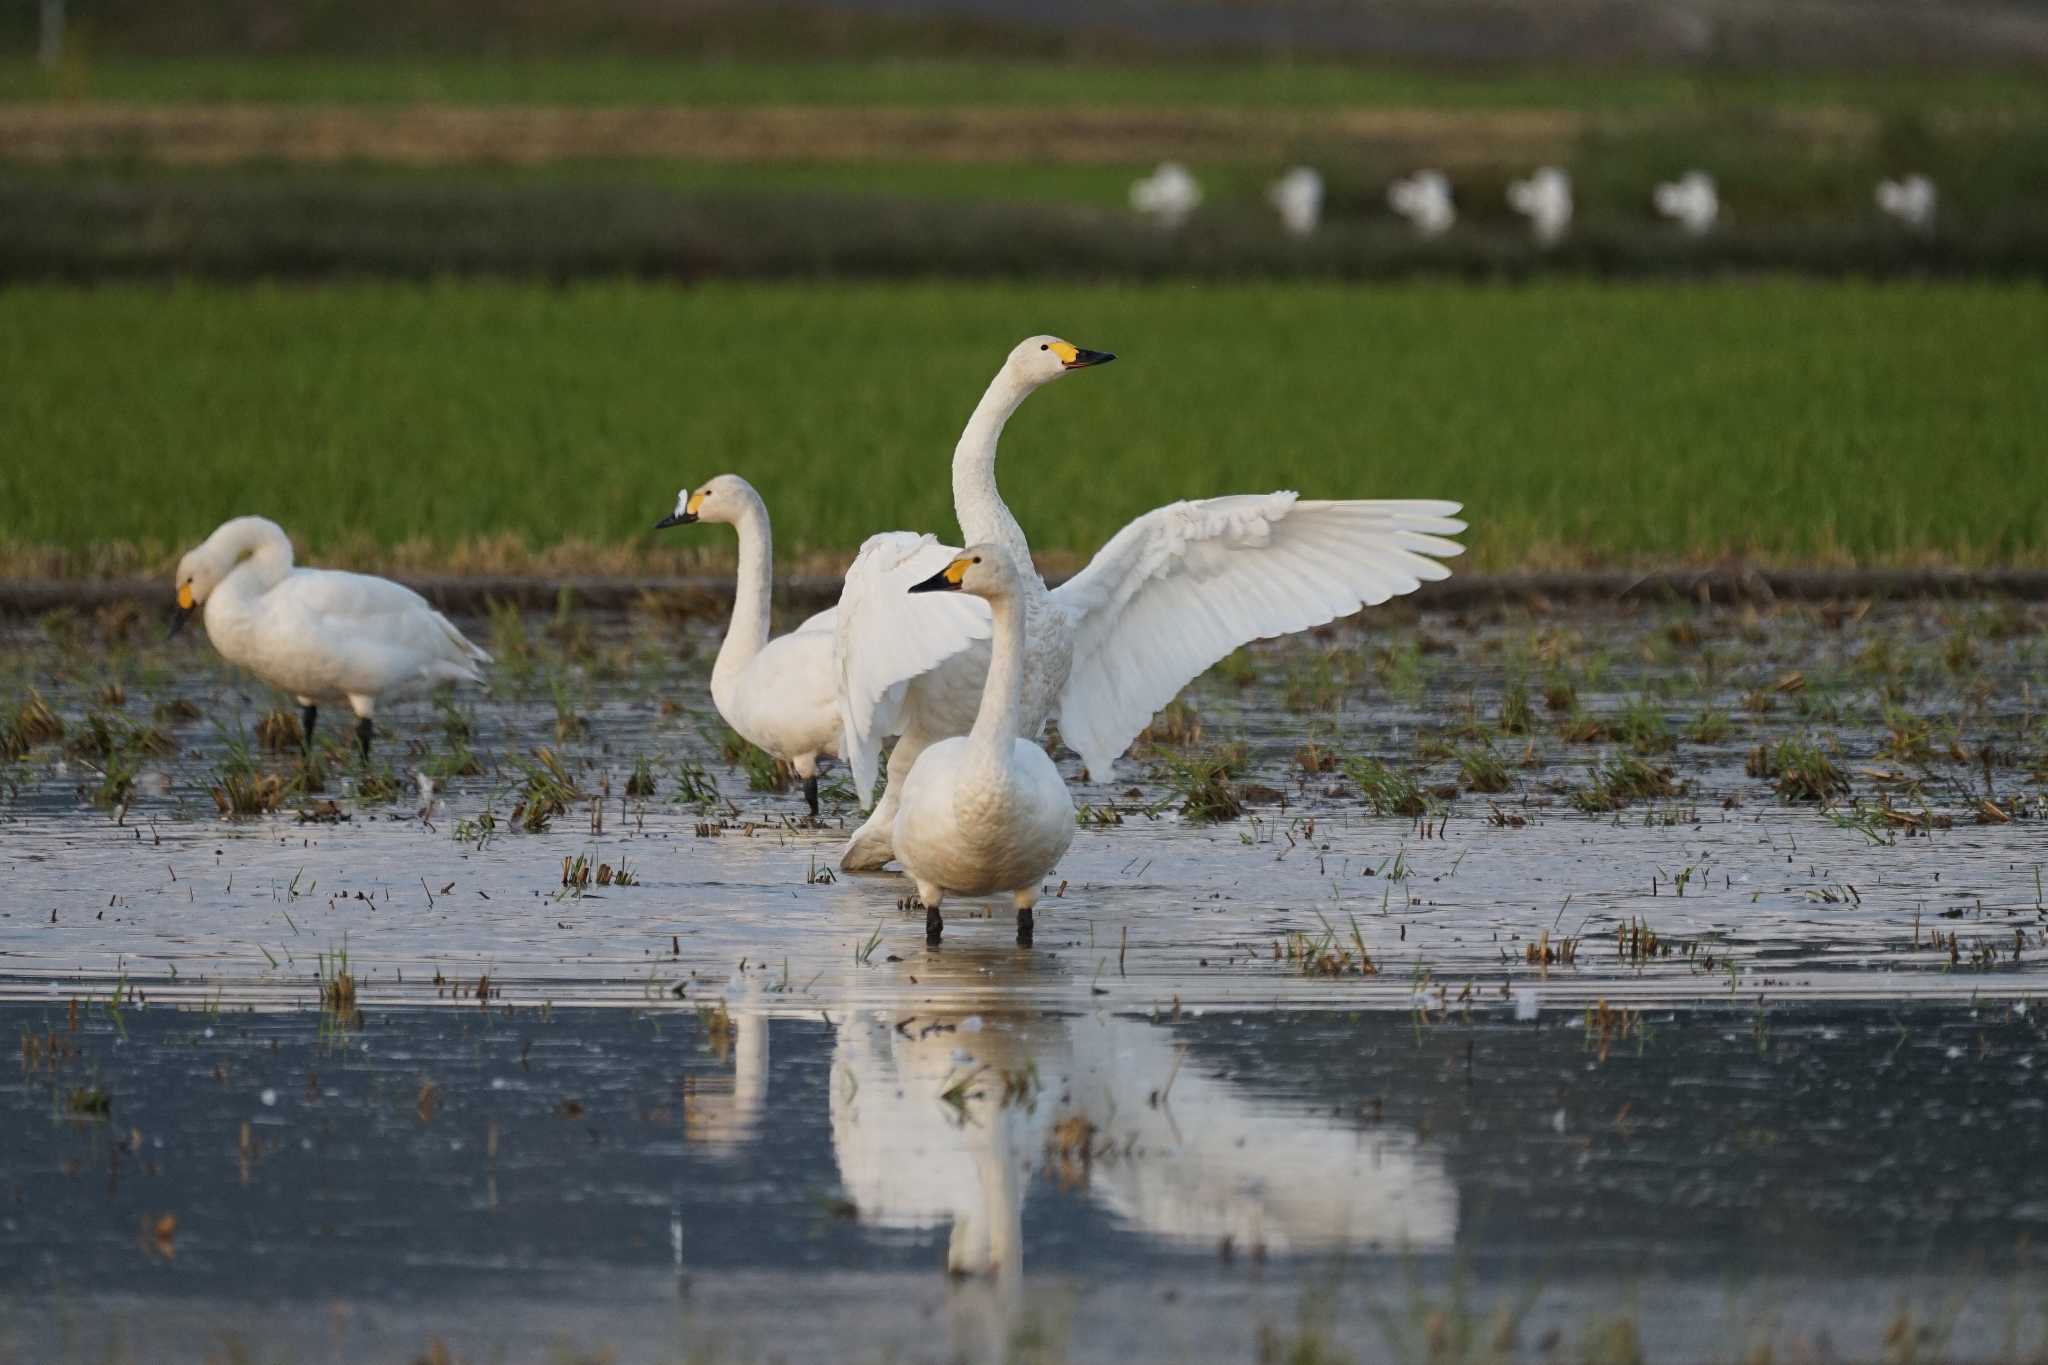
x,y
780,695
1545,199
1170,594
1692,201
319,634
1910,199
1168,195
1298,198
1424,199
986,812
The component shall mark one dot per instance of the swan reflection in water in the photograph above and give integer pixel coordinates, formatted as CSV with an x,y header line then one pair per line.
x,y
943,1116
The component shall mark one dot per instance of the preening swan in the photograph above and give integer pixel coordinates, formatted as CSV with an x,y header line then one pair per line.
x,y
780,695
319,634
987,812
1691,201
1298,197
1169,595
1545,199
1424,199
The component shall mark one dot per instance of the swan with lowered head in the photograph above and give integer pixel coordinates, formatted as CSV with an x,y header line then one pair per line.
x,y
320,634
986,812
1424,199
1545,199
1692,201
780,694
1910,199
1170,594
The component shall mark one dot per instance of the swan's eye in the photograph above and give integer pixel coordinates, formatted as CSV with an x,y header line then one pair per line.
x,y
977,559
1045,346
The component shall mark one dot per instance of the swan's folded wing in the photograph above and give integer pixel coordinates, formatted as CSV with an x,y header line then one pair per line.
x,y
361,626
888,637
1181,587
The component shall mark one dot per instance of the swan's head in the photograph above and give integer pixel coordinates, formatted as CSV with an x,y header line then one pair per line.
x,y
1042,359
978,570
726,498
213,559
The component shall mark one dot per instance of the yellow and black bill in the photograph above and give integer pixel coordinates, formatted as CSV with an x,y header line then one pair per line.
x,y
685,513
186,606
1074,358
947,579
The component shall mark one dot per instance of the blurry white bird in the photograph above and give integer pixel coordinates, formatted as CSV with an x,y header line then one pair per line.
x,y
319,634
781,694
987,812
1168,195
1911,200
1424,199
1298,196
1545,199
1691,201
1170,594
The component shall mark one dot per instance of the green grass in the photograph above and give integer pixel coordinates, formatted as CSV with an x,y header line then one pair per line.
x,y
469,425
978,80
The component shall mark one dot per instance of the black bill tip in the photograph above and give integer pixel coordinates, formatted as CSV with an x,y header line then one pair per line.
x,y
675,519
1083,359
180,617
938,582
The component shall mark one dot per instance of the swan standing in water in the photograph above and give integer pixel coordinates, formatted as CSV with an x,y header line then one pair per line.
x,y
1298,198
778,694
986,813
319,634
1692,201
1168,195
1169,595
1424,199
1545,199
1910,199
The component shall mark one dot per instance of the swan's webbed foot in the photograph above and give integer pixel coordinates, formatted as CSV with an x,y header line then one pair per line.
x,y
811,794
309,715
365,729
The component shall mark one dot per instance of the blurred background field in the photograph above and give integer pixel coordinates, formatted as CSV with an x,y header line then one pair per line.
x,y
273,254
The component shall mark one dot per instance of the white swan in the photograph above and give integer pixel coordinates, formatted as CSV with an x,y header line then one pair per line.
x,y
1169,595
1298,198
780,695
1910,199
1168,195
985,813
1691,201
1424,199
319,634
1545,199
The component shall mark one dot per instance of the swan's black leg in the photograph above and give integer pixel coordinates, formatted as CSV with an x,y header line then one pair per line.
x,y
1024,927
308,718
364,729
934,926
811,793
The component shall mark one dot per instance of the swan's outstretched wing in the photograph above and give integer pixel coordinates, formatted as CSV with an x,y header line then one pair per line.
x,y
888,638
1182,586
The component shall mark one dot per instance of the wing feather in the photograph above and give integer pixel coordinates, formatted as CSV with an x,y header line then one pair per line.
x,y
1182,586
887,638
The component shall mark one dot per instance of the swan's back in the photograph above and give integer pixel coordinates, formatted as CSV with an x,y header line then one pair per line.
x,y
355,633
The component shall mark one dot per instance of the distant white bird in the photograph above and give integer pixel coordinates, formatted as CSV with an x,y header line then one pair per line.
x,y
1911,200
780,695
1424,199
1168,195
1170,594
1298,195
1691,201
319,634
1545,199
986,812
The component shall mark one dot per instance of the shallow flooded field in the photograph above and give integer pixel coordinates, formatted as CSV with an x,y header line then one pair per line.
x,y
1520,983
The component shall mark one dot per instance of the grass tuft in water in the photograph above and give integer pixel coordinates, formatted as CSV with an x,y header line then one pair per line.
x,y
1623,779
1798,770
1387,791
1202,781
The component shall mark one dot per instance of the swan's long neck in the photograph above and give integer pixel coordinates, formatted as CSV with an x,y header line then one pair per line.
x,y
996,724
262,556
980,508
748,630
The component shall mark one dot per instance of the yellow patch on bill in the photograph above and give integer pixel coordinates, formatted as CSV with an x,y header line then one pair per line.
x,y
1067,351
185,596
957,571
696,501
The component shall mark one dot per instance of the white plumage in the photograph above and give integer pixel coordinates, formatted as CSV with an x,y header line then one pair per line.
x,y
1169,595
1298,197
1692,201
1168,195
1424,199
1545,199
986,812
1910,199
781,695
322,635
